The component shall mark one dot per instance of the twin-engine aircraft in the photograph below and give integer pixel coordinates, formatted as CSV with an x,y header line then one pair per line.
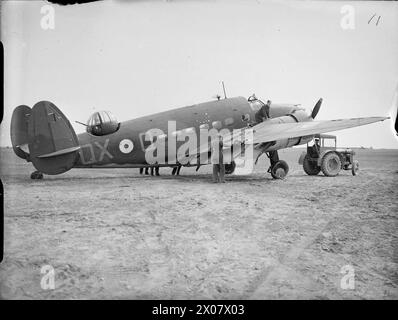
x,y
44,136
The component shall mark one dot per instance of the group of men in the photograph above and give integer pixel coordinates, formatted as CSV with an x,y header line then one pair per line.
x,y
155,170
217,157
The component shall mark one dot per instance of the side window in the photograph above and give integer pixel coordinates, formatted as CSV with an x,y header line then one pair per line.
x,y
97,120
256,105
112,117
105,117
229,121
216,125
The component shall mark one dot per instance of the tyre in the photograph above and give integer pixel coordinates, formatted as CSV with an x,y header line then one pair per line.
x,y
355,167
230,167
310,167
279,170
331,164
37,175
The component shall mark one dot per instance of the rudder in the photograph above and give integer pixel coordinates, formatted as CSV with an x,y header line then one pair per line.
x,y
19,131
52,144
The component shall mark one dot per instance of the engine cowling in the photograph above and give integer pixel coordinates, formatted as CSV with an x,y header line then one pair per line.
x,y
297,115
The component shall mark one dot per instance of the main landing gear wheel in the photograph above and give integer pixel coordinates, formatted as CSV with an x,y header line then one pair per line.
x,y
37,175
230,167
279,170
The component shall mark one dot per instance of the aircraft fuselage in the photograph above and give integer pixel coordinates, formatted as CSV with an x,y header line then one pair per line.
x,y
126,146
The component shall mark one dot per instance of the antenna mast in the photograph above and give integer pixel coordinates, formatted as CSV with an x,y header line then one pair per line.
x,y
223,87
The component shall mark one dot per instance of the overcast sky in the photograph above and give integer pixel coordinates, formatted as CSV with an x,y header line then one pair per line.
x,y
140,58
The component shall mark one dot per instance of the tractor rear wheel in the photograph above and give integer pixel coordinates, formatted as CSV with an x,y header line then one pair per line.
x,y
310,167
331,164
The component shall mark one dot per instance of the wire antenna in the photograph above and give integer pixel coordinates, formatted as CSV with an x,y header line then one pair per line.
x,y
81,123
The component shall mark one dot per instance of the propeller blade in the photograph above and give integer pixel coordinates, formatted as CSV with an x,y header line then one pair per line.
x,y
316,108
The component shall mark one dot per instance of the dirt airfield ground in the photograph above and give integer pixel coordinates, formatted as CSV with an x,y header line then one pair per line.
x,y
111,233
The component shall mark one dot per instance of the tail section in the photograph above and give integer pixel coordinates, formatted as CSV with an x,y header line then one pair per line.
x,y
19,131
44,136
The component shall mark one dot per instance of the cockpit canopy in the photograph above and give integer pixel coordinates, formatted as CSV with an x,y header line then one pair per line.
x,y
102,123
255,103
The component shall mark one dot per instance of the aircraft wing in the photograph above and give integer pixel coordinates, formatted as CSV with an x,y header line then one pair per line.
x,y
267,132
271,132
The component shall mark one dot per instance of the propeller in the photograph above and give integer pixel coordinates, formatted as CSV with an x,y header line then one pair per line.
x,y
316,108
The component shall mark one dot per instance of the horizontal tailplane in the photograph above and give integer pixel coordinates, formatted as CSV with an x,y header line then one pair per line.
x,y
44,136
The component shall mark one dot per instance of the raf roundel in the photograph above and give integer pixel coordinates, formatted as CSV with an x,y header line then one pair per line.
x,y
126,146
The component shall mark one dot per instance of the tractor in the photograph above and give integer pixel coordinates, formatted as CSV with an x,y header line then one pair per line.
x,y
320,157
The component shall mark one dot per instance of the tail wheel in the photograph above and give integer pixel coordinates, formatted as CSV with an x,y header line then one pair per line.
x,y
310,167
36,175
279,170
331,164
355,167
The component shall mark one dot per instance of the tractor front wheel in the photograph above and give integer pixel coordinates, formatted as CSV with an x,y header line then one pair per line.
x,y
331,164
310,167
354,167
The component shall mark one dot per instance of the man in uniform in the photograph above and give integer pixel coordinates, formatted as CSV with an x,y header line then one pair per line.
x,y
217,160
263,113
316,147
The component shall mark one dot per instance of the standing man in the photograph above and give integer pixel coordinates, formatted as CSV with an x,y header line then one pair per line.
x,y
217,159
176,170
317,147
263,113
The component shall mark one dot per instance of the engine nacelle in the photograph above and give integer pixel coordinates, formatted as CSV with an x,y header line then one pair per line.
x,y
297,115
